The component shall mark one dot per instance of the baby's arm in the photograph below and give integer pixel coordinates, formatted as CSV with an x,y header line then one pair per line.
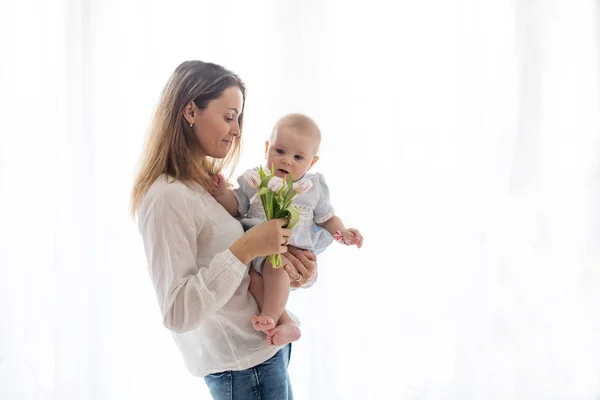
x,y
335,226
325,217
224,196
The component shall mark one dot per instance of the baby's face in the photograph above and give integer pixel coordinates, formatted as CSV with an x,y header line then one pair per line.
x,y
291,151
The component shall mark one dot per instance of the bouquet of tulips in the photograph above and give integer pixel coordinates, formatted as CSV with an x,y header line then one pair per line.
x,y
276,195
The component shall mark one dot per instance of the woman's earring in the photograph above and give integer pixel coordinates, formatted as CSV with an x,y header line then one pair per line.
x,y
191,125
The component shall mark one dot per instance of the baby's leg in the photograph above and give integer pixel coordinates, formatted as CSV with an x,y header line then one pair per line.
x,y
287,331
259,322
275,294
256,287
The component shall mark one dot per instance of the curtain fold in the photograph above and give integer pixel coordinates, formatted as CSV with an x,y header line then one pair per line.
x,y
462,138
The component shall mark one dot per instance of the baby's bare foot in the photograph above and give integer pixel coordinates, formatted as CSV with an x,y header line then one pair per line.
x,y
283,334
263,323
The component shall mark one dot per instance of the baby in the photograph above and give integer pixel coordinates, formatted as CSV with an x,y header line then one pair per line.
x,y
291,149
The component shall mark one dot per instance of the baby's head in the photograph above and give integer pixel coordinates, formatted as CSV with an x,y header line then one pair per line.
x,y
293,146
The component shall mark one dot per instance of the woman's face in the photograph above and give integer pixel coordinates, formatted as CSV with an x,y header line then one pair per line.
x,y
217,126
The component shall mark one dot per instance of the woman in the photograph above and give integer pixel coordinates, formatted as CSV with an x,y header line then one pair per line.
x,y
197,253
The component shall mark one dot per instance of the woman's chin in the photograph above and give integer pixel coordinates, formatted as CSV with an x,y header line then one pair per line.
x,y
219,153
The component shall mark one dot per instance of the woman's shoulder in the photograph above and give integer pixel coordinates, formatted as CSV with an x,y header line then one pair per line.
x,y
168,190
166,187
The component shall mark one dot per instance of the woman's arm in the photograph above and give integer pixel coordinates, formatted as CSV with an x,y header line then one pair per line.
x,y
187,292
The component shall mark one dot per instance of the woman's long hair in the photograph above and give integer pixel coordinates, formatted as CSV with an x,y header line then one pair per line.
x,y
172,147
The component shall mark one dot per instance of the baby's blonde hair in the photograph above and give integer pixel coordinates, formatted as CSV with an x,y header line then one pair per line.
x,y
302,123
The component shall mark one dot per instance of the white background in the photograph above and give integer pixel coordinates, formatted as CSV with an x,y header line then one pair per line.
x,y
461,137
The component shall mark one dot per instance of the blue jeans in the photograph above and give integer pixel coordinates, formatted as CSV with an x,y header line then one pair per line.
x,y
266,381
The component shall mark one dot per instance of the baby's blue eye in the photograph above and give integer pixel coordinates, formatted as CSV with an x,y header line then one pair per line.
x,y
299,158
279,151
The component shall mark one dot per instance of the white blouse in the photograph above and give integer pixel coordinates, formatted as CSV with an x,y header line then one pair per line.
x,y
202,288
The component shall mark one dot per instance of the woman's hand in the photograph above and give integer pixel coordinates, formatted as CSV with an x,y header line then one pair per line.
x,y
267,238
302,268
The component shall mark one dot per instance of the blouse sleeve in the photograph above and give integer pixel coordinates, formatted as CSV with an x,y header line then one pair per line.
x,y
187,292
324,210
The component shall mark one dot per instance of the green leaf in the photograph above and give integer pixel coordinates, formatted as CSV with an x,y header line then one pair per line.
x,y
291,214
287,199
263,191
289,193
294,217
279,200
269,209
265,181
283,214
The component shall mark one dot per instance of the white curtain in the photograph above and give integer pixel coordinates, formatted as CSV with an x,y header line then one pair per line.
x,y
461,137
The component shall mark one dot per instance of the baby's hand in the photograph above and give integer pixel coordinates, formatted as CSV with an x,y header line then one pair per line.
x,y
350,237
219,186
